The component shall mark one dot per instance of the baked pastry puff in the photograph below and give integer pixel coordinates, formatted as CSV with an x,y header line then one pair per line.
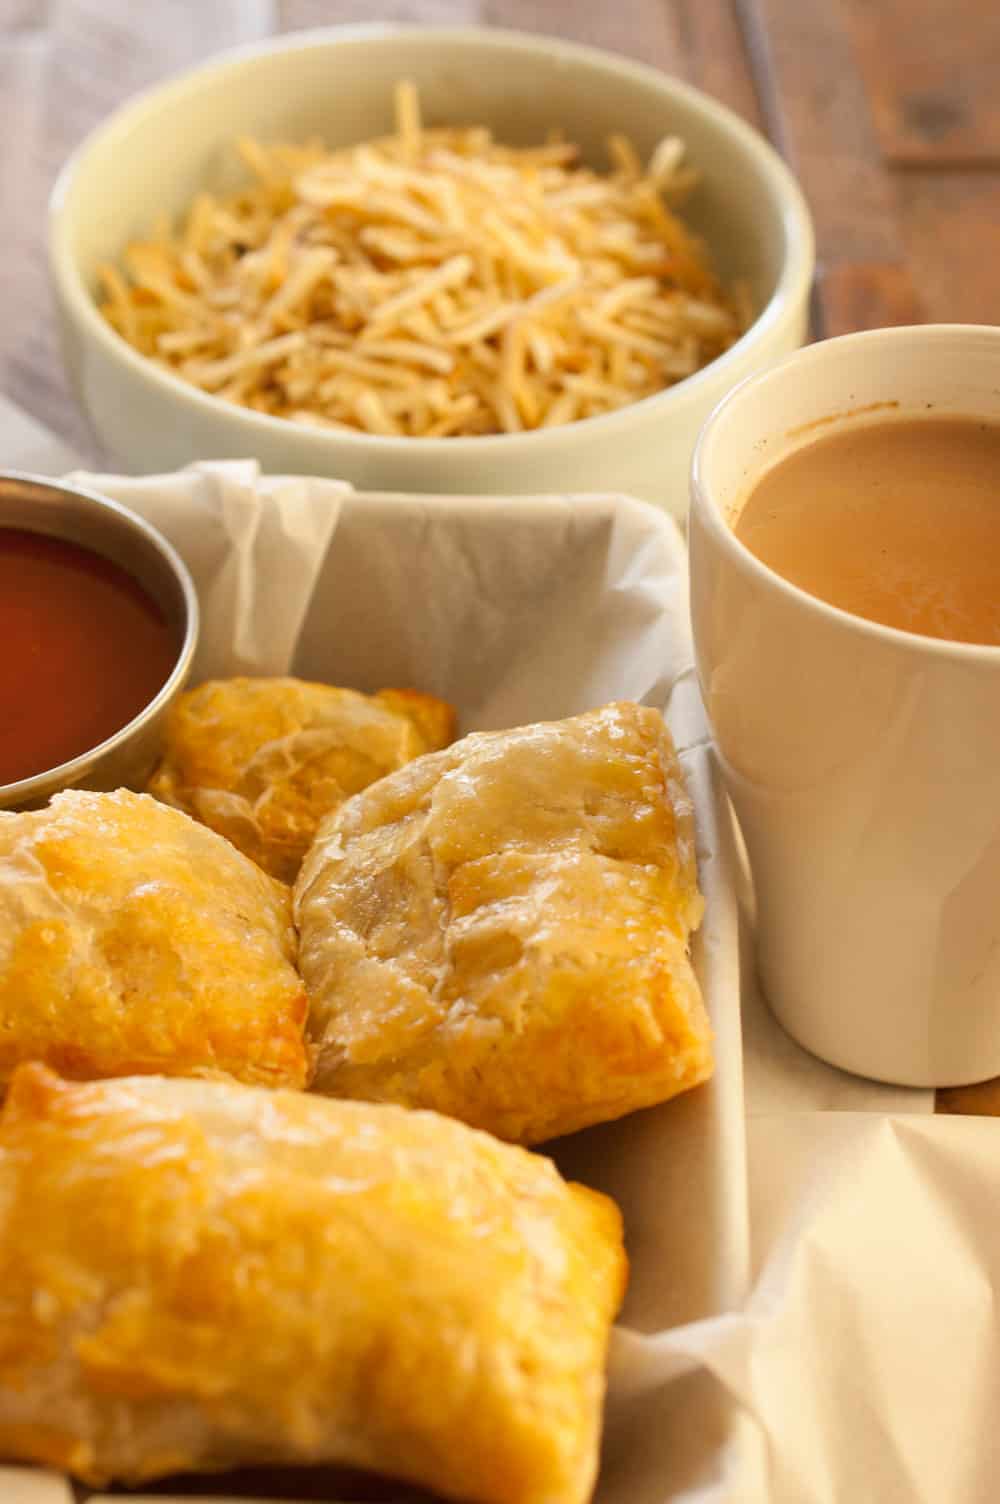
x,y
200,1275
263,760
499,931
134,940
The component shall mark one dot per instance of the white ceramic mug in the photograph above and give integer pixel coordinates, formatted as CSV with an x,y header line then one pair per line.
x,y
863,762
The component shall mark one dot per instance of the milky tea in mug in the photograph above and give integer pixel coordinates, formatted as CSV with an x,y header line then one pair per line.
x,y
896,520
844,543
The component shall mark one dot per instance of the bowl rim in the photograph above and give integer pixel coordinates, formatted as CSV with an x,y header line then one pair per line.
x,y
66,774
791,288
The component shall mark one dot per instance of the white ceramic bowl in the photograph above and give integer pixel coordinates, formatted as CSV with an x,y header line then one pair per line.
x,y
156,152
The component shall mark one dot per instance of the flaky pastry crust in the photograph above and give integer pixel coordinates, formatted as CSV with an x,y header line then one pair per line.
x,y
198,1275
263,760
134,940
499,931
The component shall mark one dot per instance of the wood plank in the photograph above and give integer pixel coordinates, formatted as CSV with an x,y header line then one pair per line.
x,y
867,295
296,15
819,114
978,1101
698,40
932,74
717,56
951,234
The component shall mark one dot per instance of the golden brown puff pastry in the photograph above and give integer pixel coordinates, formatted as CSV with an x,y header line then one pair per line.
x,y
499,931
133,940
199,1275
263,760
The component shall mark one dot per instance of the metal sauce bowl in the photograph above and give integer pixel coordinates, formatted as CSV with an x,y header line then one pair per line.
x,y
83,517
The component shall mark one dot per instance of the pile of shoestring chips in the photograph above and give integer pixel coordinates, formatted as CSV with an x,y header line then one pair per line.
x,y
431,283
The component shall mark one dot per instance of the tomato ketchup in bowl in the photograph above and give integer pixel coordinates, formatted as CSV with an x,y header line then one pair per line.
x,y
98,624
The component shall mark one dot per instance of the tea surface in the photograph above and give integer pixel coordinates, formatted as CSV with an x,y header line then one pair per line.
x,y
897,521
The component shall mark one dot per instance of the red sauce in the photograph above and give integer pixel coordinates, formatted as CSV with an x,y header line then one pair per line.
x,y
83,649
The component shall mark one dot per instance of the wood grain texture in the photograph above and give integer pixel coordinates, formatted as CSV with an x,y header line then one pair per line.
x,y
932,73
976,1101
950,223
819,114
698,40
867,295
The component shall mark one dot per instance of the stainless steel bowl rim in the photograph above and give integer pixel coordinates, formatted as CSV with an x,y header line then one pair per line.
x,y
67,773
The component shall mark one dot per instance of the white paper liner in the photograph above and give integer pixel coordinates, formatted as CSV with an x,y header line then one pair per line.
x,y
28,1485
582,601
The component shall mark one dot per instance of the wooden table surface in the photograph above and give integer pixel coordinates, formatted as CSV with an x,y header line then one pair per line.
x,y
887,110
